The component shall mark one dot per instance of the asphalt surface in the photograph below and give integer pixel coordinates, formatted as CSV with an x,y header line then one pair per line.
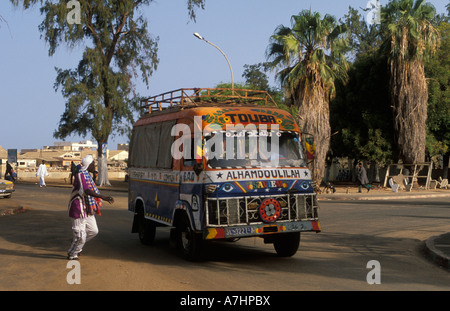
x,y
436,247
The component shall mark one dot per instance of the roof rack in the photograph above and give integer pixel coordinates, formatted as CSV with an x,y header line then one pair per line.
x,y
201,97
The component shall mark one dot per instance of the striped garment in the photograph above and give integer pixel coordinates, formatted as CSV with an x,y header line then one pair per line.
x,y
93,204
82,205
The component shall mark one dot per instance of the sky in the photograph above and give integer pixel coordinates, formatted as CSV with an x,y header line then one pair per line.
x,y
30,108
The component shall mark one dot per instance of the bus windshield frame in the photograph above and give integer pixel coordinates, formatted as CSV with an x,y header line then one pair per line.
x,y
257,148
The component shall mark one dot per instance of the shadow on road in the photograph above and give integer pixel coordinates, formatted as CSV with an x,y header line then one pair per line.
x,y
47,235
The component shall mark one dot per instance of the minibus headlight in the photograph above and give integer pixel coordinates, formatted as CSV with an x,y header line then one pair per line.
x,y
211,188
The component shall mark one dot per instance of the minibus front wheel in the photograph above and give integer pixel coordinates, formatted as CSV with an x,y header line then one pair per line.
x,y
189,241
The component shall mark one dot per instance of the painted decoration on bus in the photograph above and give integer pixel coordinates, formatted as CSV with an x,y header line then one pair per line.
x,y
269,173
225,116
264,187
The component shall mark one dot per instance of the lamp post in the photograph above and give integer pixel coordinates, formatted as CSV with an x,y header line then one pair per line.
x,y
198,36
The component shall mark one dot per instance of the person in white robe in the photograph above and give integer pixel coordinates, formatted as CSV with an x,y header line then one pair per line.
x,y
42,173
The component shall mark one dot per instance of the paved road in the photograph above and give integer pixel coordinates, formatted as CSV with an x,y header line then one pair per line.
x,y
33,246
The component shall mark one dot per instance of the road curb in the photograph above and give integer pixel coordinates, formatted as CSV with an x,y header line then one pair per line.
x,y
435,254
387,197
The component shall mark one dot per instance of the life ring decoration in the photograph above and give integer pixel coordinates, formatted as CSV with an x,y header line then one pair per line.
x,y
270,210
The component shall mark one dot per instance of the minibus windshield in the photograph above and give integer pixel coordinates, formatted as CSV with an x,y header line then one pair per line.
x,y
254,149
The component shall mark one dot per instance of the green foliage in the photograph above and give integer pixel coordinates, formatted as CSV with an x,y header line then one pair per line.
x,y
435,147
100,93
362,38
310,57
242,90
310,54
410,38
361,114
26,4
407,29
438,73
192,6
311,51
256,79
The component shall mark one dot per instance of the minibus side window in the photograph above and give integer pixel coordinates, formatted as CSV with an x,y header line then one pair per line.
x,y
150,146
191,161
164,159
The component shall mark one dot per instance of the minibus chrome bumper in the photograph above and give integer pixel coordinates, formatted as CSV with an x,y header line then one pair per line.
x,y
249,210
241,231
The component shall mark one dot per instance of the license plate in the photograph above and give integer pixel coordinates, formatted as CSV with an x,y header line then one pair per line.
x,y
239,231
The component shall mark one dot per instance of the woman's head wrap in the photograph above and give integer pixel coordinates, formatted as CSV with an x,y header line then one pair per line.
x,y
87,160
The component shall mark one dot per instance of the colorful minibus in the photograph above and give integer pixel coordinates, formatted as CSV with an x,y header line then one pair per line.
x,y
219,164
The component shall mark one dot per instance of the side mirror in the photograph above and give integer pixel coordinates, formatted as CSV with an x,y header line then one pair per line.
x,y
309,146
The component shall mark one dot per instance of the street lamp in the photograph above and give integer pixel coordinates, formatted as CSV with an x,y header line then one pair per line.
x,y
198,36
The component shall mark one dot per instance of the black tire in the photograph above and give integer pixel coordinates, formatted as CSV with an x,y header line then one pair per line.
x,y
146,230
189,242
286,244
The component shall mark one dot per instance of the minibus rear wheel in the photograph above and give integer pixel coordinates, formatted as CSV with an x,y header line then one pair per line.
x,y
286,244
146,230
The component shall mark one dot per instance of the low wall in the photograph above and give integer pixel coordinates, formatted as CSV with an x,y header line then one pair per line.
x,y
66,175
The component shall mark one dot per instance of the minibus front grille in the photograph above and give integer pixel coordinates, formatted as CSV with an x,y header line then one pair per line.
x,y
245,210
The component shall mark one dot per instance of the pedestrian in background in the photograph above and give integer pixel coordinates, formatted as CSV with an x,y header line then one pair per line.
x,y
362,178
73,171
85,202
42,173
10,172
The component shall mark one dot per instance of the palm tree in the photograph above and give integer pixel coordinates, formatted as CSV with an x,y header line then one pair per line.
x,y
310,58
409,38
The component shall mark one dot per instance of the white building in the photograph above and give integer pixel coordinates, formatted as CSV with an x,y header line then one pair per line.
x,y
117,155
67,145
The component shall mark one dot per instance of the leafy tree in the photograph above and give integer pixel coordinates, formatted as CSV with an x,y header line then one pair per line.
x,y
310,58
409,38
437,70
362,38
256,78
100,92
361,114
